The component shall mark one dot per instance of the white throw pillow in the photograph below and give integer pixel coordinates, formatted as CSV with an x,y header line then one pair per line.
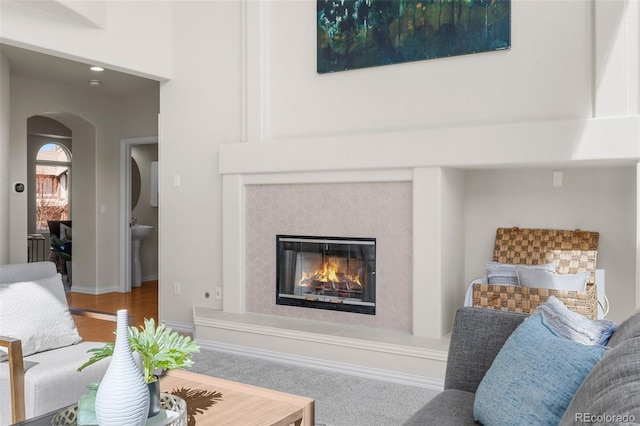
x,y
36,312
573,326
505,273
545,279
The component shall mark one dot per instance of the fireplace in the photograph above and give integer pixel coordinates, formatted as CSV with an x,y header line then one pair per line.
x,y
332,273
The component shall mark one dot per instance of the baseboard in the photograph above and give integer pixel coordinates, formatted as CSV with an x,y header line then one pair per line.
x,y
149,278
324,365
180,327
379,354
75,288
92,290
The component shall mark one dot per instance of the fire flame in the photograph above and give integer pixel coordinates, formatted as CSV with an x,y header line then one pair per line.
x,y
328,273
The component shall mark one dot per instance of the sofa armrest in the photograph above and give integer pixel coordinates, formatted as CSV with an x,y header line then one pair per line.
x,y
16,362
16,377
477,337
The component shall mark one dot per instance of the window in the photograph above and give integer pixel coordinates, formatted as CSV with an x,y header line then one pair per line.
x,y
53,184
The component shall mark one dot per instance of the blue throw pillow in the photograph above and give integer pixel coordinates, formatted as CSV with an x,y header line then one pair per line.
x,y
534,376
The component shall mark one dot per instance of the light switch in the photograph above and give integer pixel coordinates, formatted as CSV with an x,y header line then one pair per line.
x,y
558,178
154,184
176,180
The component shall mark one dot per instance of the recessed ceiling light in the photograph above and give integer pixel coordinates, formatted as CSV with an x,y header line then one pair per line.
x,y
95,82
94,68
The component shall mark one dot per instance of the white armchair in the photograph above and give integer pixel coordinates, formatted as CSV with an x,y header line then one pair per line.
x,y
44,350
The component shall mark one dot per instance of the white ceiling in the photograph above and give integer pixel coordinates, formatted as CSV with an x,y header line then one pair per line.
x,y
38,66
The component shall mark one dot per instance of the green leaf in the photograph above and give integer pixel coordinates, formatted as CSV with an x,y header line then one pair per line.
x,y
98,354
160,348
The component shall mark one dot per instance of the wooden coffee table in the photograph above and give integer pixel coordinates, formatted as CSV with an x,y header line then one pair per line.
x,y
221,402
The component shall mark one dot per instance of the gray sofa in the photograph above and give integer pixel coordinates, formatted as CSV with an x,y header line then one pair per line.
x,y
612,388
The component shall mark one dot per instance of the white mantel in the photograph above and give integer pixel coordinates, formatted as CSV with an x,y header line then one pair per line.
x,y
596,141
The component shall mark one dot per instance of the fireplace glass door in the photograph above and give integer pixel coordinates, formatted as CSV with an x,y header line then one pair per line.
x,y
327,273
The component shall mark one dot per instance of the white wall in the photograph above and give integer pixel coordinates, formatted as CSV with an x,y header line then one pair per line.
x,y
593,199
5,184
98,124
31,98
144,212
200,109
453,238
546,74
135,115
438,235
134,35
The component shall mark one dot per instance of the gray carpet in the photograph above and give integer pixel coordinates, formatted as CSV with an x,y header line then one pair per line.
x,y
340,400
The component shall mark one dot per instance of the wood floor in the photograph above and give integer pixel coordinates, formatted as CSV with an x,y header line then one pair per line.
x,y
141,303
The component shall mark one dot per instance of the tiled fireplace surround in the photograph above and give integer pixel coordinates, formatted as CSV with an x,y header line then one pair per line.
x,y
379,210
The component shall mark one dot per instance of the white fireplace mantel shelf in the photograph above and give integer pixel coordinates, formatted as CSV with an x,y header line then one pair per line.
x,y
368,352
591,141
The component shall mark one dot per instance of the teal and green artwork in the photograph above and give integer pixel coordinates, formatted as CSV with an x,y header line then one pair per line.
x,y
366,33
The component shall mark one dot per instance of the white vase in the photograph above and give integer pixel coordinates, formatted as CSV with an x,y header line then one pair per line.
x,y
123,396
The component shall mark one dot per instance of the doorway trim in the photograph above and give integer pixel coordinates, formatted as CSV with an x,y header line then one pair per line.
x,y
125,206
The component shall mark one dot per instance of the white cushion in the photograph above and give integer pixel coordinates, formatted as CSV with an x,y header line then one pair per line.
x,y
505,273
51,380
36,312
17,272
545,279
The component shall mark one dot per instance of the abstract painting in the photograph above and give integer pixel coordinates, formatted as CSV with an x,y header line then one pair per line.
x,y
366,33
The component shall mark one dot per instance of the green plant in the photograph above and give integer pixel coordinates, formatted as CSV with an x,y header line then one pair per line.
x,y
62,247
159,348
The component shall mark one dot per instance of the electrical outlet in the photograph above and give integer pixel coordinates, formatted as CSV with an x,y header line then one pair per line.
x,y
176,287
218,293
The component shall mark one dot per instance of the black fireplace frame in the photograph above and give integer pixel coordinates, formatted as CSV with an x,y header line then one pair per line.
x,y
342,306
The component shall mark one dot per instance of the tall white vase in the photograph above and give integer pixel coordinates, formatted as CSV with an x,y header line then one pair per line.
x,y
123,396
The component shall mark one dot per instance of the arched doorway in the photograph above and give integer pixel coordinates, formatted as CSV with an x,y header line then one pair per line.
x,y
49,162
80,141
